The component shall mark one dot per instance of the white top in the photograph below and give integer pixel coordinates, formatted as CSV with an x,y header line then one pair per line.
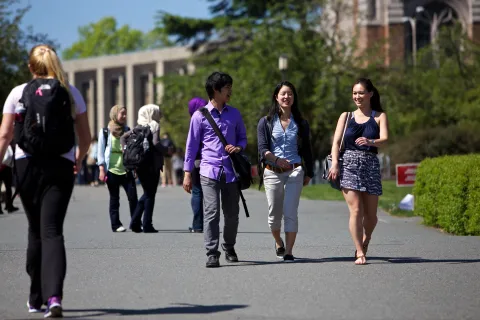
x,y
16,94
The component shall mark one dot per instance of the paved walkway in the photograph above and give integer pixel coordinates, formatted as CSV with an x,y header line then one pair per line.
x,y
414,272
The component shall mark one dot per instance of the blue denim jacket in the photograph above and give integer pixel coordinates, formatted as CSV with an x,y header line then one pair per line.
x,y
103,152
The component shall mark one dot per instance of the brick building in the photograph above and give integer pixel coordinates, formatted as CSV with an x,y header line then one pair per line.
x,y
374,21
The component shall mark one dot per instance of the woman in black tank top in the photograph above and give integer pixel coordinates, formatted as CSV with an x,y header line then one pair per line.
x,y
357,166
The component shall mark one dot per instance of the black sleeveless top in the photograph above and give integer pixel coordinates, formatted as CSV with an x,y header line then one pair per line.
x,y
369,130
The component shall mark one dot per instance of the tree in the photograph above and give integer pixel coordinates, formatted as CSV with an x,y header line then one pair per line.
x,y
248,47
421,102
103,38
15,44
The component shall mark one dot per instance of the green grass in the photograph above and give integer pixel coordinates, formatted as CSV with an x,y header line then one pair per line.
x,y
388,201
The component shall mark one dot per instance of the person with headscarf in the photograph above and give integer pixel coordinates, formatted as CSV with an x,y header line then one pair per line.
x,y
197,194
112,171
149,171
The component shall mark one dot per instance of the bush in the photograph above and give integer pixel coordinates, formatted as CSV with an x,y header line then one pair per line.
x,y
458,139
447,193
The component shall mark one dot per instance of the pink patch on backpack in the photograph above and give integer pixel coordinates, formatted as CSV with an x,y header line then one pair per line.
x,y
39,92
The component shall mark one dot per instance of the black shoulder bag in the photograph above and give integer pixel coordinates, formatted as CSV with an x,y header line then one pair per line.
x,y
241,166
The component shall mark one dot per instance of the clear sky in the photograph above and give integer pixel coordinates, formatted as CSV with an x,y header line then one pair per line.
x,y
60,19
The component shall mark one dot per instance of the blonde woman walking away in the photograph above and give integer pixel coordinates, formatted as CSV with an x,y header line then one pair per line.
x,y
45,161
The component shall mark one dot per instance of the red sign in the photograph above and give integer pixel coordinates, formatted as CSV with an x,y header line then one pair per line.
x,y
406,174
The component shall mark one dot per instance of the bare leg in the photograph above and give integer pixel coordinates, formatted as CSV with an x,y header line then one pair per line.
x,y
370,204
355,206
290,241
278,238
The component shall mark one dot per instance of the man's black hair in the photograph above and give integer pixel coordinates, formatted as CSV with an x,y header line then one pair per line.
x,y
216,81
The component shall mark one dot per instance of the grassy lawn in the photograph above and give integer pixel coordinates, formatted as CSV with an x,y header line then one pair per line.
x,y
388,201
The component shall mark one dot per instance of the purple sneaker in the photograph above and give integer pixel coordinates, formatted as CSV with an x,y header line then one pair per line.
x,y
54,308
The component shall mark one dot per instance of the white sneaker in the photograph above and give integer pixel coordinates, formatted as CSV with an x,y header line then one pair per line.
x,y
32,309
121,229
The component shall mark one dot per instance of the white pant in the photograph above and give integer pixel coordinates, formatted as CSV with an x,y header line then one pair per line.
x,y
283,197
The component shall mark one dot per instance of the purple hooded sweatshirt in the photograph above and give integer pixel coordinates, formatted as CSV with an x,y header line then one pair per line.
x,y
195,104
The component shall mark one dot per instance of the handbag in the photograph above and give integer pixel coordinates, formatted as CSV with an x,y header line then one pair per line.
x,y
8,157
240,163
327,163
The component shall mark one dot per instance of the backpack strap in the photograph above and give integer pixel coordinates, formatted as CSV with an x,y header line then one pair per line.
x,y
105,138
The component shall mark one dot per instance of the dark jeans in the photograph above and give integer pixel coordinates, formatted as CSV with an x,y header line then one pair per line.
x,y
149,178
114,182
45,194
6,175
197,200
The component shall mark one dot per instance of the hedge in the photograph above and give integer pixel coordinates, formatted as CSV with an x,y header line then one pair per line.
x,y
447,193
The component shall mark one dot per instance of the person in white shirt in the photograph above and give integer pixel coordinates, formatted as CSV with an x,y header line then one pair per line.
x,y
47,186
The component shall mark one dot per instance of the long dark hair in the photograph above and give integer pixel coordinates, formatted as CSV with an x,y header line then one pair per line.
x,y
375,103
275,107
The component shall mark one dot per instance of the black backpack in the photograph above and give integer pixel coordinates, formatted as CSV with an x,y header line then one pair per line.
x,y
46,129
138,149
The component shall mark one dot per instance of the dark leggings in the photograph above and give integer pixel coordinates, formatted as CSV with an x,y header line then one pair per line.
x,y
45,191
114,182
149,178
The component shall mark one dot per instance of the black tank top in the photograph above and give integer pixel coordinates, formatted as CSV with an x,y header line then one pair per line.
x,y
369,130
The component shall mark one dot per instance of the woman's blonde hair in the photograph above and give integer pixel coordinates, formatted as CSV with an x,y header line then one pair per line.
x,y
44,63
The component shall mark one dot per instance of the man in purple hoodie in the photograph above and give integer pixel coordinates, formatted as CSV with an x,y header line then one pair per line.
x,y
216,171
197,194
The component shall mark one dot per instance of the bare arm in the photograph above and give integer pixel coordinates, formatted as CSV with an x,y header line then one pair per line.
x,y
383,131
6,132
84,136
337,138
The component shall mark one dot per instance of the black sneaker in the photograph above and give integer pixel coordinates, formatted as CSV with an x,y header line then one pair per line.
x,y
213,262
288,258
280,251
230,254
11,209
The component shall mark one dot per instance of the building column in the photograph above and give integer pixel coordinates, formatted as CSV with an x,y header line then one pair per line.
x,y
151,87
91,106
121,86
71,78
100,98
160,70
131,110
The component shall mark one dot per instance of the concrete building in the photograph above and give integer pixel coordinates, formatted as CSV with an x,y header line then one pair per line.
x,y
125,79
406,25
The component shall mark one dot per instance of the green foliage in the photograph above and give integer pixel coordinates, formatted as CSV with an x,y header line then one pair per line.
x,y
321,74
447,191
388,201
104,37
15,45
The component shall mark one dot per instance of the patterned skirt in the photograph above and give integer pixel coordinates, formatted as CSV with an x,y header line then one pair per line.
x,y
361,171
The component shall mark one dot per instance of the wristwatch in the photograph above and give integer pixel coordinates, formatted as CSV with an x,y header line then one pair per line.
x,y
372,141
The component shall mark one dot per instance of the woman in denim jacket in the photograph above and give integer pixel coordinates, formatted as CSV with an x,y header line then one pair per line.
x,y
112,171
284,151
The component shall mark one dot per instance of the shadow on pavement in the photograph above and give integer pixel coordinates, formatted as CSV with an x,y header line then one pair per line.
x,y
181,308
381,260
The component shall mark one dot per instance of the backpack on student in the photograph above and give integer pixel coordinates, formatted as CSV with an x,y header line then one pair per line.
x,y
138,148
44,125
